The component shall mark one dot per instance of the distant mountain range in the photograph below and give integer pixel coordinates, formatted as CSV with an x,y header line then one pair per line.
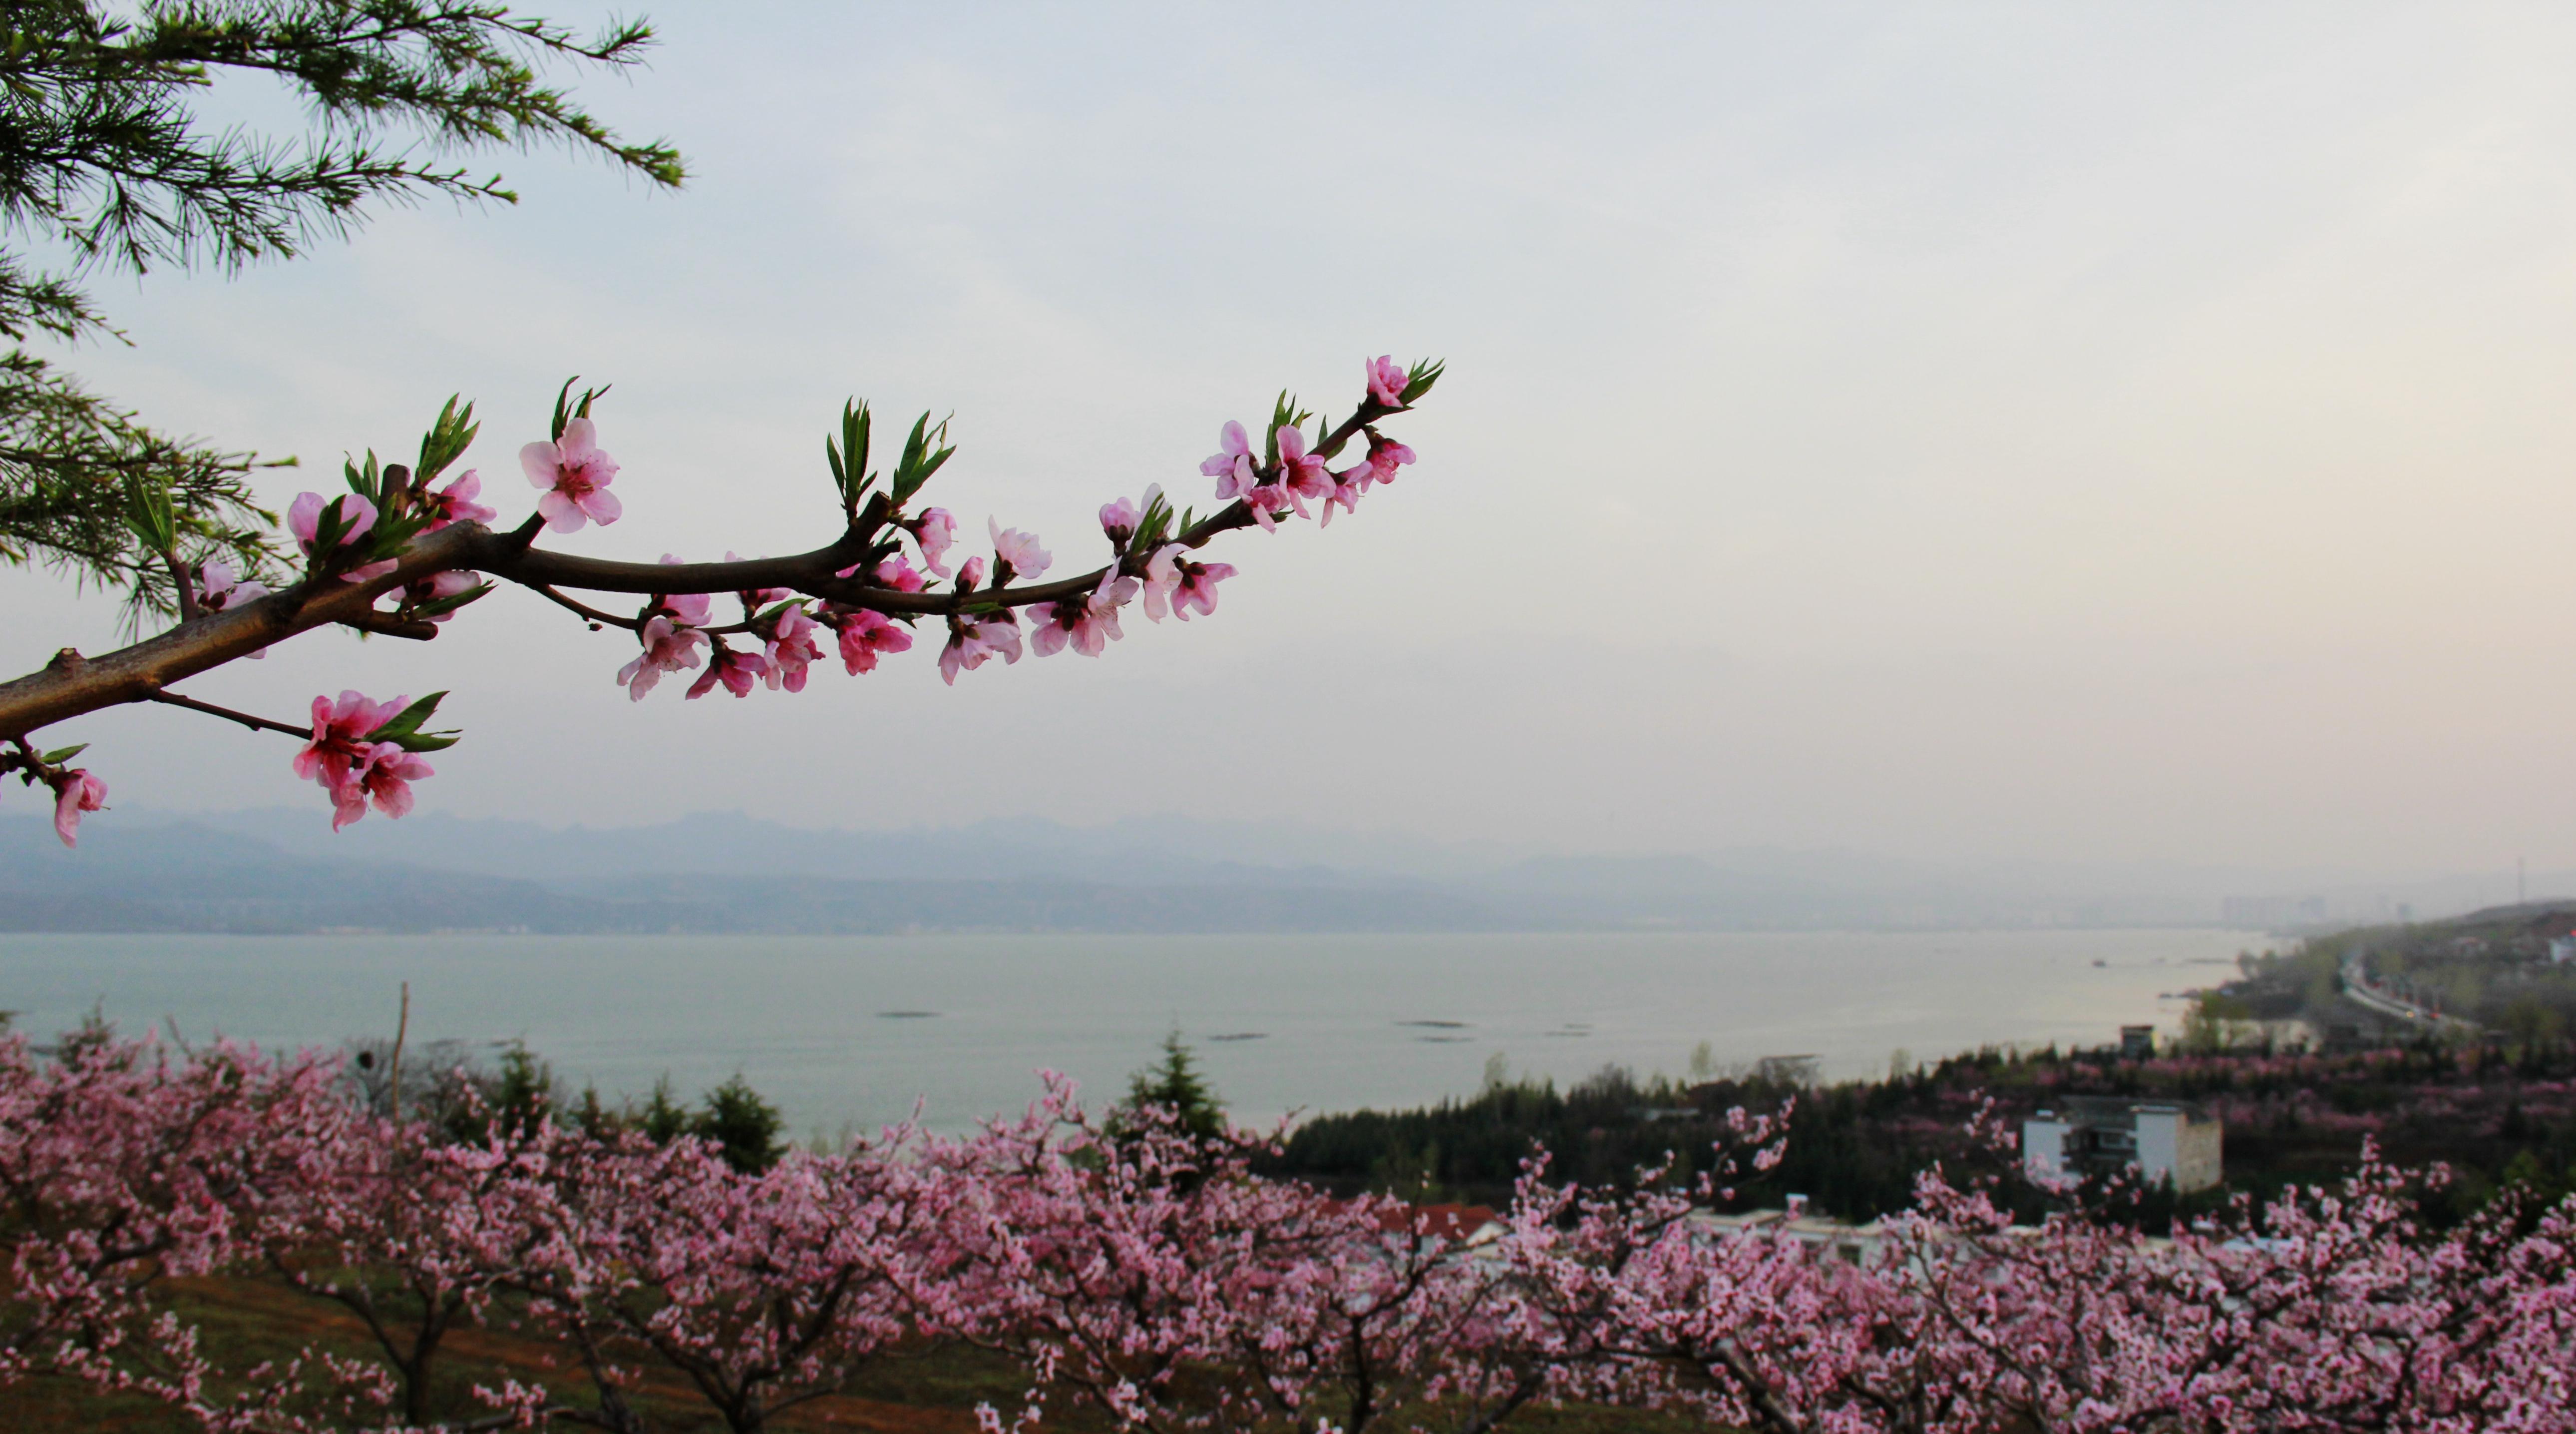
x,y
284,870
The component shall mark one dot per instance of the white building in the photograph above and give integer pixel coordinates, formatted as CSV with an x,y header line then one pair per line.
x,y
1852,1244
2098,1136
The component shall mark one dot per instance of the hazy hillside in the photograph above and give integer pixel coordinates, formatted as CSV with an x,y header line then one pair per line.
x,y
283,869
190,876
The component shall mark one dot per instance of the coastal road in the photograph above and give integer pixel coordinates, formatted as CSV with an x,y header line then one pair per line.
x,y
2356,985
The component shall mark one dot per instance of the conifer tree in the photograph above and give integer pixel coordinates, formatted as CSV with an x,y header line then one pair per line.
x,y
105,163
1174,1087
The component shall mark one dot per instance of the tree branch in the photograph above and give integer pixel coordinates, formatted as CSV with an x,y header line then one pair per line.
x,y
586,613
71,684
810,573
387,625
256,724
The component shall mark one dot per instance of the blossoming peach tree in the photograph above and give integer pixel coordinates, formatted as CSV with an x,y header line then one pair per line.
x,y
407,547
1142,1268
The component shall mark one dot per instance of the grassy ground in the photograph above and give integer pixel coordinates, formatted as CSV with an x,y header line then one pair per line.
x,y
928,1390
931,1391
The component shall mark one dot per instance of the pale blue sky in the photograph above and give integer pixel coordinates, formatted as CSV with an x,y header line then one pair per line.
x,y
2093,433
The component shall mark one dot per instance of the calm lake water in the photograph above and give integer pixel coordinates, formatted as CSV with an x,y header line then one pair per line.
x,y
851,1030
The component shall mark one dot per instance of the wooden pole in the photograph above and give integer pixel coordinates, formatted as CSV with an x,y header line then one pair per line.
x,y
402,1027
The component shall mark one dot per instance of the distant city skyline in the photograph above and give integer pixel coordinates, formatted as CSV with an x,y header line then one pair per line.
x,y
2119,437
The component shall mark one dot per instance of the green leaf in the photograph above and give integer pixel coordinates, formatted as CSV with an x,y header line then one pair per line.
x,y
149,514
427,741
1420,377
408,719
561,402
567,410
440,607
919,458
849,456
327,529
446,440
60,755
403,729
367,482
1150,525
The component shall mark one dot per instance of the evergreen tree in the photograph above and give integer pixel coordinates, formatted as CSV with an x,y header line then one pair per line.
x,y
663,1119
746,1126
1174,1087
104,161
524,1093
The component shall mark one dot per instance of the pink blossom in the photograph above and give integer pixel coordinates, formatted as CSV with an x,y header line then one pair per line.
x,y
455,503
970,574
790,648
339,753
736,670
1174,584
934,532
897,574
349,800
1231,465
76,792
1385,456
972,642
219,589
1119,520
304,520
575,473
668,647
443,585
1089,623
1198,588
1347,487
1386,381
388,780
1015,554
864,634
1267,502
689,609
1162,575
1303,474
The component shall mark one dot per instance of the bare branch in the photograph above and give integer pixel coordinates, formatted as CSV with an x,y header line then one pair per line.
x,y
256,724
584,611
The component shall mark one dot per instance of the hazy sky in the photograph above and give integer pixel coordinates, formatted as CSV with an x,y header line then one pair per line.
x,y
2098,433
